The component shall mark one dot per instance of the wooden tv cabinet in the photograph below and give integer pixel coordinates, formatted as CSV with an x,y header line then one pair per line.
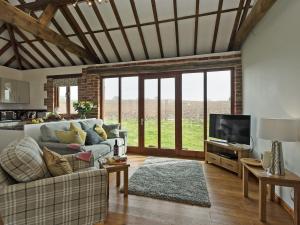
x,y
212,155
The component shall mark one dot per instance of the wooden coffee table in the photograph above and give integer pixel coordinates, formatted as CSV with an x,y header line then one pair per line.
x,y
118,169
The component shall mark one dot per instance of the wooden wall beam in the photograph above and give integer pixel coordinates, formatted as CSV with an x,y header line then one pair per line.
x,y
14,45
153,3
257,13
18,18
196,27
48,14
176,27
216,31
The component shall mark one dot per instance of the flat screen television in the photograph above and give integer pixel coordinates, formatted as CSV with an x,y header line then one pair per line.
x,y
230,128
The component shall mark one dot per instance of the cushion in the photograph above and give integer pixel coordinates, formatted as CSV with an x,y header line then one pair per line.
x,y
100,131
81,133
92,138
84,156
56,163
69,137
91,122
5,179
112,130
23,160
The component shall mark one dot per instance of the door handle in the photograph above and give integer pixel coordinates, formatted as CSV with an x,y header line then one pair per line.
x,y
142,122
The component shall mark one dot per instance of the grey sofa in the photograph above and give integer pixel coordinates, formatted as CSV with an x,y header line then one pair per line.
x,y
48,138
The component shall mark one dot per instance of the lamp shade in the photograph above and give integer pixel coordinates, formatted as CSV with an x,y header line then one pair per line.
x,y
285,130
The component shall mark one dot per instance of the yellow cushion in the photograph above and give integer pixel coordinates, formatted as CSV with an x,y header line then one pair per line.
x,y
69,137
100,131
81,133
56,163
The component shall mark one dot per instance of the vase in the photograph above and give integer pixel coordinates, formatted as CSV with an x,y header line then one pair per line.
x,y
83,116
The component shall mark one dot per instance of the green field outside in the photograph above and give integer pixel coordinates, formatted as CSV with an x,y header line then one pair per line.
x,y
193,134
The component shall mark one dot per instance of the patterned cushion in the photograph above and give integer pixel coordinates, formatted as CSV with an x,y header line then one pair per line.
x,y
23,160
56,163
100,131
112,130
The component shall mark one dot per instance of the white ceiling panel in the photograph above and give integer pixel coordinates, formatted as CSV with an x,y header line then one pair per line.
x,y
205,34
125,12
186,8
165,9
208,6
135,43
168,36
6,55
59,54
229,4
28,35
2,43
14,64
144,10
186,36
151,40
90,16
45,53
225,28
120,45
75,58
77,18
76,40
60,19
5,34
37,56
29,59
101,37
90,39
14,2
107,15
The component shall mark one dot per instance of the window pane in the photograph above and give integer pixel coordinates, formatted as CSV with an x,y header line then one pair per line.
x,y
167,113
111,100
218,93
129,108
192,111
73,98
151,113
62,108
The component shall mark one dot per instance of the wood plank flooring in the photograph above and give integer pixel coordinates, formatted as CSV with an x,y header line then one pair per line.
x,y
229,207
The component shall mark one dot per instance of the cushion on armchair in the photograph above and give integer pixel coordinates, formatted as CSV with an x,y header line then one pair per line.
x,y
100,131
23,160
112,130
92,138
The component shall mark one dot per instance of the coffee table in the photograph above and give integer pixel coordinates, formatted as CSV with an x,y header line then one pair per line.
x,y
118,168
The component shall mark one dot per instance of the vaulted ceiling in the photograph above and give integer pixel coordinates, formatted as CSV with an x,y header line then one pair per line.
x,y
122,30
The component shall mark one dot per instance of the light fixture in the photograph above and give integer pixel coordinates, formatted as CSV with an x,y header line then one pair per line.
x,y
89,2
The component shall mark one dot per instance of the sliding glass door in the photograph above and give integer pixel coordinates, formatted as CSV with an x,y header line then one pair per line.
x,y
166,114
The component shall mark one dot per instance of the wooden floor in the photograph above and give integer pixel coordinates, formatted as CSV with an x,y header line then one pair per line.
x,y
225,192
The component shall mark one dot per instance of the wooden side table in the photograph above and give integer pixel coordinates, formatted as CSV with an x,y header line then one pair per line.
x,y
118,169
288,180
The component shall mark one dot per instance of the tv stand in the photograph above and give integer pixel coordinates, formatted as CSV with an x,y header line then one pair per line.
x,y
225,155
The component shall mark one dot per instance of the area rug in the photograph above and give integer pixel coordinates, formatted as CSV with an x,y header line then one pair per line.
x,y
171,179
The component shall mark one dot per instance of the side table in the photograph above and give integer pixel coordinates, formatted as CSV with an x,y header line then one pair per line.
x,y
118,168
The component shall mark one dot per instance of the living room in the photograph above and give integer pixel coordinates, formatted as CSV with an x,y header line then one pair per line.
x,y
178,112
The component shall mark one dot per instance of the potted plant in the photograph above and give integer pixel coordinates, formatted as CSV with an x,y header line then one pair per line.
x,y
83,108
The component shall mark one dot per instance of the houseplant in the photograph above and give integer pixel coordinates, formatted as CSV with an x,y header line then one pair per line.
x,y
83,108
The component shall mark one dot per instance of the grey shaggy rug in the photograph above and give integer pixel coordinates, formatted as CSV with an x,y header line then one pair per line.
x,y
171,179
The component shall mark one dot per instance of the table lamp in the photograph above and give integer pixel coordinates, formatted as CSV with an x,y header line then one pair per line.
x,y
278,130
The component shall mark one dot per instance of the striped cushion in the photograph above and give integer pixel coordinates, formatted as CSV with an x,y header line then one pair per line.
x,y
23,160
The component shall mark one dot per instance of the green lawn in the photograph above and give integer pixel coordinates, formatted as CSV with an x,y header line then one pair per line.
x,y
192,133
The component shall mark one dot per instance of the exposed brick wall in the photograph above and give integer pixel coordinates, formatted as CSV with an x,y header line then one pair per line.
x,y
238,90
49,101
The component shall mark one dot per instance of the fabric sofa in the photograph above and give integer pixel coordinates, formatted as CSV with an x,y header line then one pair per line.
x,y
44,134
76,198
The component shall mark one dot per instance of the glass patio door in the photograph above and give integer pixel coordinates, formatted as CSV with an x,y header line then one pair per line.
x,y
158,114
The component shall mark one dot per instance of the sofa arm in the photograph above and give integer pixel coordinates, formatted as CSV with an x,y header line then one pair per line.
x,y
60,148
78,164
124,134
78,196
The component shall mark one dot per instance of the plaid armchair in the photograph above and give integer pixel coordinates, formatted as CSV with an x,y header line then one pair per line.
x,y
77,198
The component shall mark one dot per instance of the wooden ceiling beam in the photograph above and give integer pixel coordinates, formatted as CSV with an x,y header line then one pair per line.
x,y
5,48
138,24
77,30
119,21
28,53
216,31
245,12
236,24
18,18
90,32
101,21
2,28
196,27
48,14
154,10
14,45
10,61
257,13
176,27
42,4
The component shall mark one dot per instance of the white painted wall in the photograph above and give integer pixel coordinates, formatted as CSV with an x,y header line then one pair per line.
x,y
271,69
